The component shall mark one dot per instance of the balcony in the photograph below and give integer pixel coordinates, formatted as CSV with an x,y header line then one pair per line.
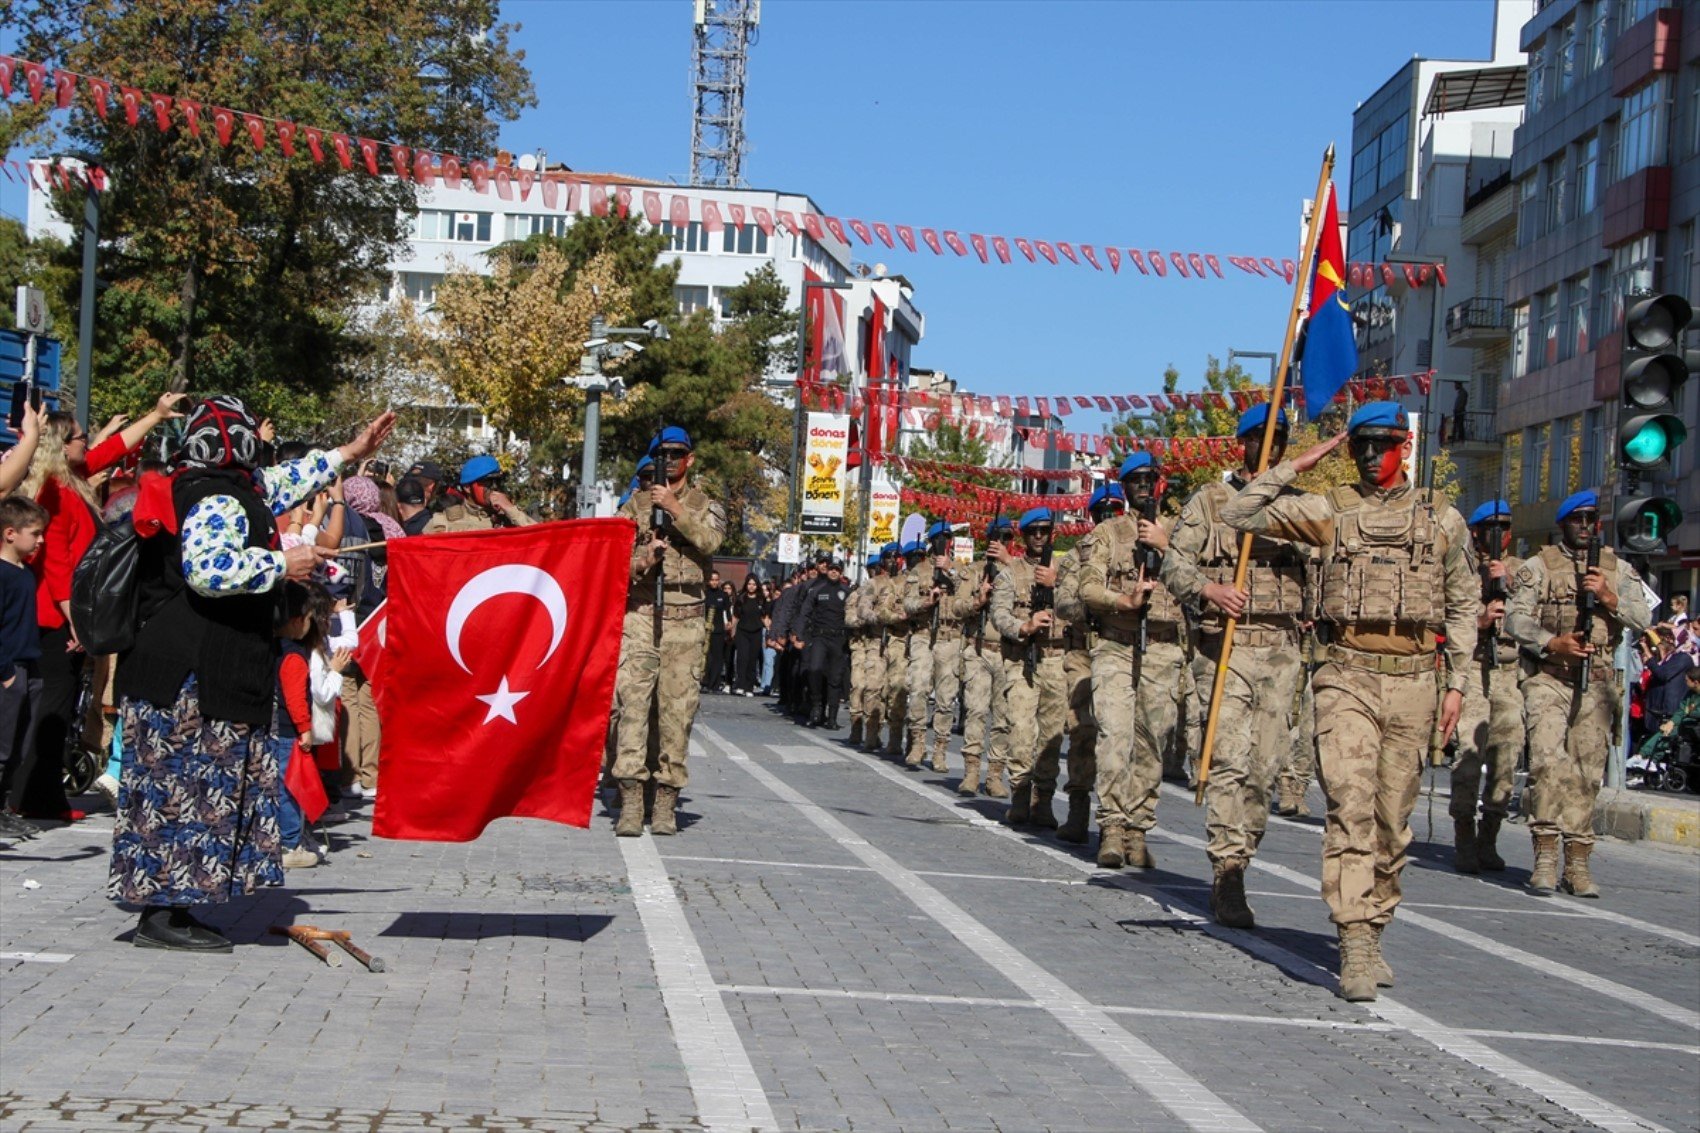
x,y
1473,436
1476,322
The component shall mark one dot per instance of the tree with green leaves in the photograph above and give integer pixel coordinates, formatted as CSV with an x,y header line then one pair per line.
x,y
232,270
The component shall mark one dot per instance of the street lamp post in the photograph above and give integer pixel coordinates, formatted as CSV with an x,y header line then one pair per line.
x,y
794,514
600,348
85,312
1425,461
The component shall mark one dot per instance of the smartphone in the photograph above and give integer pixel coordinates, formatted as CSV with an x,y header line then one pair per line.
x,y
22,393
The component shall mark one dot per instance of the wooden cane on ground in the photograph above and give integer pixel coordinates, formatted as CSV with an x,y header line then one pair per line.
x,y
1301,281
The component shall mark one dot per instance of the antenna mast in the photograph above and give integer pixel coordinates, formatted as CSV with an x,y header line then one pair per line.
x,y
725,29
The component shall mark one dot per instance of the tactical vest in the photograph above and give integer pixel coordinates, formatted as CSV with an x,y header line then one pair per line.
x,y
1123,575
1555,605
684,568
1384,564
1021,586
1275,580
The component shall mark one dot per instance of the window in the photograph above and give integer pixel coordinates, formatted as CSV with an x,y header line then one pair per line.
x,y
1594,440
1394,144
519,227
1559,454
723,303
1641,129
1631,270
1528,217
744,240
1632,12
1581,297
1365,168
1587,174
1520,340
1558,184
443,224
1565,60
420,286
1537,94
1599,32
1546,314
1534,463
690,298
691,238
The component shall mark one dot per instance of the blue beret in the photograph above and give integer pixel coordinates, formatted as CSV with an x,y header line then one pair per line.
x,y
1000,523
873,560
1380,415
914,547
671,435
1135,462
1105,492
1493,509
942,527
1255,417
1036,515
646,462
1587,497
891,548
478,468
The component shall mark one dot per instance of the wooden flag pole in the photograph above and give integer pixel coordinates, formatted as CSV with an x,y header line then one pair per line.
x,y
1300,282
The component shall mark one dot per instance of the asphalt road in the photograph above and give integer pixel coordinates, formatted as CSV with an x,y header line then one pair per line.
x,y
833,942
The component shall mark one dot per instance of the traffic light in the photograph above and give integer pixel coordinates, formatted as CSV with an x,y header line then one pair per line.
x,y
1650,427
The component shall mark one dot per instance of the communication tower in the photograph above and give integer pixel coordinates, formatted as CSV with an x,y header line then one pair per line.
x,y
725,29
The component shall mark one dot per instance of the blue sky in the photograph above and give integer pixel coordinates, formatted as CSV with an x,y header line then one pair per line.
x,y
1192,126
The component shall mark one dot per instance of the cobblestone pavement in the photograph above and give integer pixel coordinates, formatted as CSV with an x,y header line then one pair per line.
x,y
833,942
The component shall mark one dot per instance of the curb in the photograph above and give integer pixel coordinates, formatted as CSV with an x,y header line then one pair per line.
x,y
1643,816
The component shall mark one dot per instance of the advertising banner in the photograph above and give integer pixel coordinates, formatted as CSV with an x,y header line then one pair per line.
x,y
825,478
884,501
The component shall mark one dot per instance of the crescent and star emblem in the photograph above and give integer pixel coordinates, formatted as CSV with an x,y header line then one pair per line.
x,y
510,578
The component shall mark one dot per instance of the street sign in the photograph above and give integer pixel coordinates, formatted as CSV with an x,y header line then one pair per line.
x,y
790,547
32,314
14,350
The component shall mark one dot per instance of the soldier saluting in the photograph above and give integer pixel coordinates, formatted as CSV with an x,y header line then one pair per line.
x,y
1395,569
1571,694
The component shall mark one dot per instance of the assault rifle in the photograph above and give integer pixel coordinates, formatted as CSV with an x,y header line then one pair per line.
x,y
1044,597
1586,604
1493,590
941,582
1150,562
991,576
660,522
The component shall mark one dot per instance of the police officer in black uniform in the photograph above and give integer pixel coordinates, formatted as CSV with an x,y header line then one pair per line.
x,y
825,645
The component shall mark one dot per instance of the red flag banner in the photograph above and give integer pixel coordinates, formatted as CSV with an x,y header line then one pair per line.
x,y
955,244
738,213
711,219
1137,259
836,227
224,121
1001,247
764,219
1025,248
861,231
64,89
883,231
907,235
507,643
1067,250
932,240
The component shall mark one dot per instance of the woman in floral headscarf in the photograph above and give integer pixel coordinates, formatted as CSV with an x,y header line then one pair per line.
x,y
198,804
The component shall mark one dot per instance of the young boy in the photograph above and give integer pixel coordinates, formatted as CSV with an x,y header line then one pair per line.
x,y
22,521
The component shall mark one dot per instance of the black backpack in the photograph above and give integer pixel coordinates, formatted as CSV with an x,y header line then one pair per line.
x,y
104,598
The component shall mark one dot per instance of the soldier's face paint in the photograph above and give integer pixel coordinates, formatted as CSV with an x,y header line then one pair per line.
x,y
1138,487
1036,537
1380,459
1578,527
1254,445
1107,510
1492,538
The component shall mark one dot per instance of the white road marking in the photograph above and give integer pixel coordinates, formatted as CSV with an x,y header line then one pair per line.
x,y
804,753
1287,895
1589,1107
37,957
866,869
1148,1070
728,1093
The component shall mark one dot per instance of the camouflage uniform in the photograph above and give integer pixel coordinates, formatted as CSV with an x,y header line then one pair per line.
x,y
1138,699
1299,767
1396,565
1570,732
1263,673
667,672
1036,703
1490,739
1077,683
888,608
864,641
984,702
937,665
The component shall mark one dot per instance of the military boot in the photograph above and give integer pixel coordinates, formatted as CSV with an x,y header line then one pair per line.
x,y
1577,881
1357,978
871,734
1227,896
1464,854
1044,815
994,786
854,739
894,742
1020,803
1378,965
1287,801
939,763
1543,879
1110,852
970,785
663,820
630,824
1073,829
832,717
1134,851
1487,854
917,750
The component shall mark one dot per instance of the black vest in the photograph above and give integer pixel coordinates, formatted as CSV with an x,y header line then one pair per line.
x,y
227,641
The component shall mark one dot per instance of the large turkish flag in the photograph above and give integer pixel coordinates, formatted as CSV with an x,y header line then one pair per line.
x,y
499,655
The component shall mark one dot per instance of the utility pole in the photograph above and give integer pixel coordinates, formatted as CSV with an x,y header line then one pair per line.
x,y
724,32
600,348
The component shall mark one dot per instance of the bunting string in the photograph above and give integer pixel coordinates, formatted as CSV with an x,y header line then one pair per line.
x,y
577,192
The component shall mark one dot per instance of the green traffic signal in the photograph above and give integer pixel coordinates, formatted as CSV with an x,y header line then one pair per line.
x,y
1646,440
1644,523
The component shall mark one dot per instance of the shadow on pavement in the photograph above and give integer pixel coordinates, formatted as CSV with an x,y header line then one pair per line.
x,y
482,926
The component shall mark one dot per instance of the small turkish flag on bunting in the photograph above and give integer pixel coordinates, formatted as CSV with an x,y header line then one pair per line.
x,y
954,242
652,207
1102,402
161,111
1440,273
1021,407
451,171
1091,256
224,121
1215,265
598,200
1423,273
369,152
789,222
1025,248
506,643
8,67
984,401
1159,264
737,213
1274,268
679,212
191,114
1400,386
316,147
1046,250
1043,404
1121,403
1068,251
763,218
1387,274
400,158
1137,259
1424,383
1197,262
1410,275
811,225
480,174
572,195
861,231
424,169
907,235
551,191
64,89
1136,402
1063,408
1004,407
1000,247
883,231
256,127
711,219
35,75
1180,264
340,143
132,100
1114,255
623,200
833,226
100,91
526,177
1288,270
286,138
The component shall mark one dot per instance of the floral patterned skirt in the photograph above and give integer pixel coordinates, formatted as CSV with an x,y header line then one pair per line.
x,y
197,807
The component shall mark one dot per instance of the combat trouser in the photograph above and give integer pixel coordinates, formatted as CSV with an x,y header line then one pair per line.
x,y
1082,724
1491,733
1251,734
982,694
1570,734
1372,736
1037,708
858,675
1300,767
946,683
896,683
1139,703
670,676
919,681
